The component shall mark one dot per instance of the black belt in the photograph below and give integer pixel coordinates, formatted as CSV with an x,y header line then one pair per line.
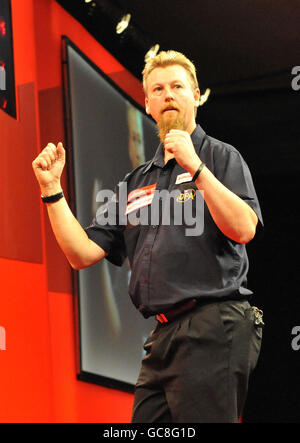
x,y
191,304
170,315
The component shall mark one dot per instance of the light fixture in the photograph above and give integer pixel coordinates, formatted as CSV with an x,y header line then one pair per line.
x,y
151,53
204,97
123,23
88,1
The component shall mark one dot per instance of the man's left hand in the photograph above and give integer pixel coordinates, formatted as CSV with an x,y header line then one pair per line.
x,y
179,143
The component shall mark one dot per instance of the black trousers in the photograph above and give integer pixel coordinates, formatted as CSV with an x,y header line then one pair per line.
x,y
197,367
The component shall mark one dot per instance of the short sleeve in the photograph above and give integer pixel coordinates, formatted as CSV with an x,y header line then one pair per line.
x,y
107,227
234,173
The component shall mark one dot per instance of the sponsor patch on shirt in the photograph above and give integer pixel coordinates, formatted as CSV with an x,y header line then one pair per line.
x,y
138,198
182,178
187,194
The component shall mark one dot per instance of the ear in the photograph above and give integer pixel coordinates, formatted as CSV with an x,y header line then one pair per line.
x,y
147,105
197,96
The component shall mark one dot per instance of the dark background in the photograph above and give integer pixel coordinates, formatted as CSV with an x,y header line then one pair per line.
x,y
244,52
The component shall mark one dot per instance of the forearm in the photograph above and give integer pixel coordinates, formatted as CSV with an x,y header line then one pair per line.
x,y
233,216
80,251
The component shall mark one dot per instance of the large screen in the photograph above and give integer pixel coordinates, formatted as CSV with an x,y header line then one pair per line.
x,y
7,74
108,136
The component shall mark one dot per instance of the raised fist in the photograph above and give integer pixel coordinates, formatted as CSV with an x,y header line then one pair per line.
x,y
48,166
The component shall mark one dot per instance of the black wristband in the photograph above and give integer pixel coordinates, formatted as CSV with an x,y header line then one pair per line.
x,y
198,171
52,198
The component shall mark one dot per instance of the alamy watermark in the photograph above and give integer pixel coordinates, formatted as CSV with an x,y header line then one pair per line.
x,y
2,339
2,78
149,206
296,80
296,340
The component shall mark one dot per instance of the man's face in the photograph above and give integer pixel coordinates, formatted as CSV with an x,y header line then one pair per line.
x,y
171,100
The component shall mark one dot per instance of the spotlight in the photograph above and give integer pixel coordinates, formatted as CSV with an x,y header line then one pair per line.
x,y
151,53
204,97
123,23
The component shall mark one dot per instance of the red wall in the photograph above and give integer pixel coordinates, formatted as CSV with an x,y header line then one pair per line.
x,y
38,363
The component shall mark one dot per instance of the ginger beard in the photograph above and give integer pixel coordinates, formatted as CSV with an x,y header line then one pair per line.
x,y
170,120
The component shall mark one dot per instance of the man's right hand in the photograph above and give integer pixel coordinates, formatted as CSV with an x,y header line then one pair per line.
x,y
80,251
48,167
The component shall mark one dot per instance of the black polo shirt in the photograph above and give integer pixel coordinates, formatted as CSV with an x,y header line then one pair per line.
x,y
168,265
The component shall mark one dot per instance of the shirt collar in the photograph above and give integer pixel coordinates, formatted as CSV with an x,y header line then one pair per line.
x,y
197,137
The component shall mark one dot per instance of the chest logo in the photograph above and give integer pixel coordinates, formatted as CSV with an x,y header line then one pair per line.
x,y
139,198
183,178
187,194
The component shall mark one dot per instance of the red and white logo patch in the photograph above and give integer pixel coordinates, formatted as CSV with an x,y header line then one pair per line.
x,y
182,178
139,198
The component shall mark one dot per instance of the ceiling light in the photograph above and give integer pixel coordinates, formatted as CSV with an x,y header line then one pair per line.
x,y
123,24
88,1
151,53
204,97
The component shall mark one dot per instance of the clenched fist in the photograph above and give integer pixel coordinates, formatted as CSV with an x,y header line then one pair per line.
x,y
48,168
179,144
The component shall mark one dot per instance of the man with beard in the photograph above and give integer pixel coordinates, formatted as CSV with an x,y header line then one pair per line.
x,y
207,338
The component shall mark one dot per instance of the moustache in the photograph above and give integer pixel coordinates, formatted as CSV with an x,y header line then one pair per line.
x,y
169,107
